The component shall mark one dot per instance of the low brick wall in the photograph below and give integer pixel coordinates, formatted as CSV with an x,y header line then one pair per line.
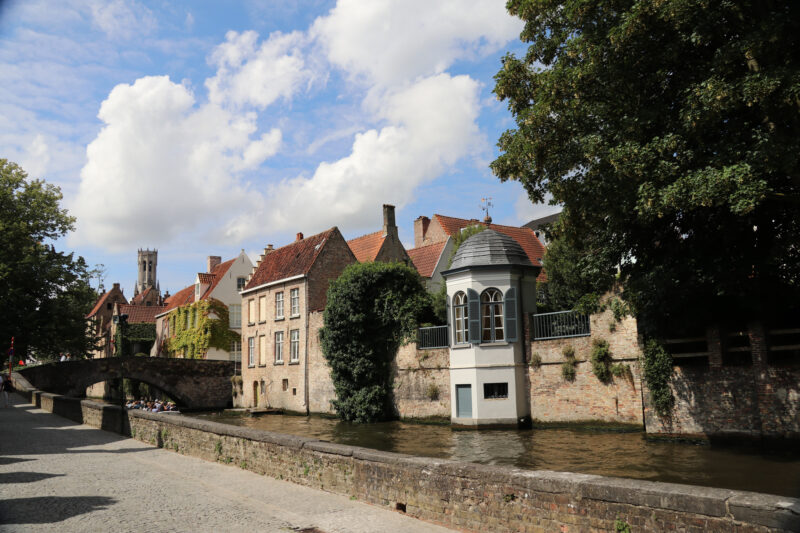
x,y
461,495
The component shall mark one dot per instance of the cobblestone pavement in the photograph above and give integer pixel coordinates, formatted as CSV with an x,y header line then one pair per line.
x,y
56,475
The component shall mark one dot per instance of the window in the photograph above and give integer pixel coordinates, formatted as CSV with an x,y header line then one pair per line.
x,y
285,385
263,387
460,318
294,345
108,306
251,351
235,313
262,350
262,309
240,283
494,391
491,316
294,298
279,347
236,350
278,305
251,311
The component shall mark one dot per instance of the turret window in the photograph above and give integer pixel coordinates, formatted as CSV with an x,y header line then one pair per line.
x,y
492,316
460,317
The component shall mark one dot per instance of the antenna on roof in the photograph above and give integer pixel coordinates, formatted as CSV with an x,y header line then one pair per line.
x,y
486,203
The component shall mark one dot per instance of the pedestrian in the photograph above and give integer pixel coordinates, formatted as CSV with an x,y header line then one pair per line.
x,y
5,386
63,358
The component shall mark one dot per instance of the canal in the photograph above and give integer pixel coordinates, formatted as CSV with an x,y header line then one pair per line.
x,y
589,451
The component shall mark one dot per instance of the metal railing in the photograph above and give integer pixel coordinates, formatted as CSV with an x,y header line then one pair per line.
x,y
559,325
432,337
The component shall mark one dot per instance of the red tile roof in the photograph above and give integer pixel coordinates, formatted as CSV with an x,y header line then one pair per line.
x,y
366,247
525,236
100,302
426,257
217,273
139,298
205,278
138,314
292,260
182,297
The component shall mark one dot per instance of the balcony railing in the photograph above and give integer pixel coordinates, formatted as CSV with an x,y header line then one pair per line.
x,y
560,325
432,337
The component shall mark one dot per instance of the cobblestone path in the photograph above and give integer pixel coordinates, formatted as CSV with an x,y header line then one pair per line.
x,y
56,475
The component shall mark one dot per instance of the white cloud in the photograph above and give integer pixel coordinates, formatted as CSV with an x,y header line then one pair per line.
x,y
120,19
391,41
432,126
163,167
249,74
527,210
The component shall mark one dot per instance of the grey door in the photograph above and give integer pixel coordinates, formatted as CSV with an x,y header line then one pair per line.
x,y
464,401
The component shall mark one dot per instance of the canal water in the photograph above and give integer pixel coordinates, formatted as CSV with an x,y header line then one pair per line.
x,y
606,453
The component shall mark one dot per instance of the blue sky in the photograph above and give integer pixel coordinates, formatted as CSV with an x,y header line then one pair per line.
x,y
202,128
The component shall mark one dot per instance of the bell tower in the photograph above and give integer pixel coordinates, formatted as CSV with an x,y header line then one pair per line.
x,y
147,263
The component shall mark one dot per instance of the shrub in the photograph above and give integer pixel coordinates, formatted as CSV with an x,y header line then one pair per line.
x,y
601,360
433,392
536,360
372,309
568,366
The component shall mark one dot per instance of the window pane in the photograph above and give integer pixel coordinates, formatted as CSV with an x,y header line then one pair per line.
x,y
262,350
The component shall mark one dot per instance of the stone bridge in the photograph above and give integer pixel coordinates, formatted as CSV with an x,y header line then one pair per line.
x,y
192,383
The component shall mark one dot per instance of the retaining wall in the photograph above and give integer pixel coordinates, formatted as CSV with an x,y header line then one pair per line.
x,y
466,496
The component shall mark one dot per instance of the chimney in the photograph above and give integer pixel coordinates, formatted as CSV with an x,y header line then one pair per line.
x,y
420,229
299,237
213,261
116,286
389,226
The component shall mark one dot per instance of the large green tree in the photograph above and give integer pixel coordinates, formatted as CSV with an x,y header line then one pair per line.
x,y
372,309
44,294
670,132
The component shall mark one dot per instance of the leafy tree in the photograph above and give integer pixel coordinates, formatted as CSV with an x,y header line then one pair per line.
x,y
670,132
44,294
372,309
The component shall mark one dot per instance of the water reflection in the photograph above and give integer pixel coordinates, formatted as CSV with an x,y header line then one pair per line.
x,y
604,453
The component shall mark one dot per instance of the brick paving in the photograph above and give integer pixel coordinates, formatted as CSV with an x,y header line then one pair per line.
x,y
56,475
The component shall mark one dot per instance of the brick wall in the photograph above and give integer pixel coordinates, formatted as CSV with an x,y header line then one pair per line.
x,y
459,495
335,256
553,399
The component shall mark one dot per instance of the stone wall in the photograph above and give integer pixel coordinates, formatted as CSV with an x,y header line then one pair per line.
x,y
754,398
553,399
460,495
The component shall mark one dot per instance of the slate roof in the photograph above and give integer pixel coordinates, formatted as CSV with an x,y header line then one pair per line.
x,y
291,260
366,247
141,314
426,257
489,247
524,236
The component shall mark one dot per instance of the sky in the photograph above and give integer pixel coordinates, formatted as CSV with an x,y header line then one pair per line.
x,y
204,128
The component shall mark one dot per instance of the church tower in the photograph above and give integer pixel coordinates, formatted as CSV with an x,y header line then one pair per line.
x,y
147,264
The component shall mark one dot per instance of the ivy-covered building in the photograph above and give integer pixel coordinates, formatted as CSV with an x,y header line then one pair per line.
x,y
203,320
136,334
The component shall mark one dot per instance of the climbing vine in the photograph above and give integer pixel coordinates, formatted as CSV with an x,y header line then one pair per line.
x,y
601,360
657,364
568,366
197,327
138,332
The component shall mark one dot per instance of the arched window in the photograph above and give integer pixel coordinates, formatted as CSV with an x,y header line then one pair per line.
x,y
460,318
492,316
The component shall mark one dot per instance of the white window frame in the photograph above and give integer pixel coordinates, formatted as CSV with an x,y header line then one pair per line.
x,y
294,301
236,350
251,351
240,283
262,350
279,347
294,346
279,305
460,318
251,311
235,316
492,309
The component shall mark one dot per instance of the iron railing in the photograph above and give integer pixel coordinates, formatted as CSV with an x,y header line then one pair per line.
x,y
559,325
432,337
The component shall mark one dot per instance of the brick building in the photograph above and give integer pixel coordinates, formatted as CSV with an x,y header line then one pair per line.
x,y
100,319
282,306
383,245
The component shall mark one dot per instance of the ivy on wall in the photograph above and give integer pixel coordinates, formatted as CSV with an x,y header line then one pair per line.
x,y
134,333
197,327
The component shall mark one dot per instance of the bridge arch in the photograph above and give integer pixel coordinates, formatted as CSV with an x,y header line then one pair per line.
x,y
193,383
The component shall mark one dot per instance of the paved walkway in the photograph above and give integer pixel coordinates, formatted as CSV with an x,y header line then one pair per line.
x,y
56,475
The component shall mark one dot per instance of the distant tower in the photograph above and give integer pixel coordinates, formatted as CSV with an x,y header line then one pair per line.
x,y
147,264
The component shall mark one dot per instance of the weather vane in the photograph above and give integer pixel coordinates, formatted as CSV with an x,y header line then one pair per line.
x,y
486,203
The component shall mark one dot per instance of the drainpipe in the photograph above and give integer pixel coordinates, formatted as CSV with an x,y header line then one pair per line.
x,y
305,362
